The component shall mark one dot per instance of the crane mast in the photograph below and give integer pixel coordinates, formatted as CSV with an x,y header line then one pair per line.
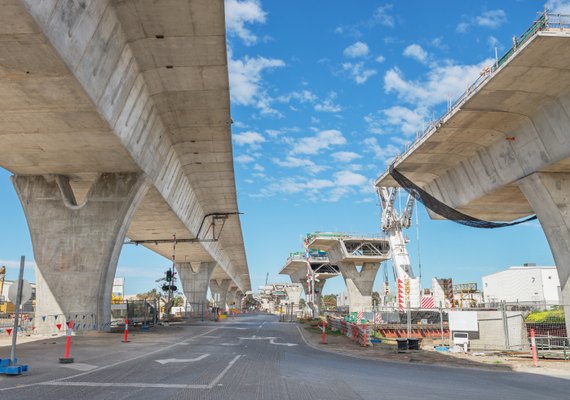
x,y
393,223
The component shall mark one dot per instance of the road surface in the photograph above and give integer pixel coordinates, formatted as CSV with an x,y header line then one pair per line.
x,y
253,357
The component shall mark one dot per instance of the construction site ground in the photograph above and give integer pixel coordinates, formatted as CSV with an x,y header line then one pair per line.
x,y
386,350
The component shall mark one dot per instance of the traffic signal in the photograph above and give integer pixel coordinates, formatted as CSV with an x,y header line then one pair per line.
x,y
168,275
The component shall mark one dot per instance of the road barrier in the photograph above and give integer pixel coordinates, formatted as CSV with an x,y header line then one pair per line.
x,y
360,334
67,359
126,333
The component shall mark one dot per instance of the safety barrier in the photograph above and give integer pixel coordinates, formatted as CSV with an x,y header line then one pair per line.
x,y
361,334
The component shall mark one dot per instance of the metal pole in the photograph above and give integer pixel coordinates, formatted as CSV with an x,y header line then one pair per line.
x,y
505,324
17,316
441,322
409,317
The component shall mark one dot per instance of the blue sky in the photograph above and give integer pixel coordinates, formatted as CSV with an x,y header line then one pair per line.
x,y
324,94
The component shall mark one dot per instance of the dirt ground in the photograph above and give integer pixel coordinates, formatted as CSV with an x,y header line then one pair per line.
x,y
387,350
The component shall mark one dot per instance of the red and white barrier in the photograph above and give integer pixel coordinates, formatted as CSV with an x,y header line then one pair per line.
x,y
126,333
533,346
67,359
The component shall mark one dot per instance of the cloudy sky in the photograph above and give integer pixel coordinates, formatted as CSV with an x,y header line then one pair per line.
x,y
324,95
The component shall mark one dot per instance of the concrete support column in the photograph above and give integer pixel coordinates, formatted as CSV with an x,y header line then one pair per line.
x,y
294,293
224,289
319,286
239,299
77,246
359,284
215,292
549,196
231,298
194,278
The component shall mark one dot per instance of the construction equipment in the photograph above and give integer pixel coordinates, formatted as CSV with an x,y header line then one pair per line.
x,y
393,223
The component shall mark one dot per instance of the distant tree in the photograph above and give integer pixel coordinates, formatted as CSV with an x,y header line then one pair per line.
x,y
177,301
302,303
151,295
329,301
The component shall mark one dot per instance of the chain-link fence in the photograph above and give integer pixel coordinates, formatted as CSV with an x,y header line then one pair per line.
x,y
500,326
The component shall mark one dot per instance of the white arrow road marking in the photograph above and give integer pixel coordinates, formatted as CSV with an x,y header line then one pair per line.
x,y
282,344
182,360
271,340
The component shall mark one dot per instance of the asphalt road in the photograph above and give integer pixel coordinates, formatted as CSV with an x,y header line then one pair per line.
x,y
253,357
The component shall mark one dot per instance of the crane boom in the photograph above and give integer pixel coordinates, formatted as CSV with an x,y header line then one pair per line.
x,y
392,225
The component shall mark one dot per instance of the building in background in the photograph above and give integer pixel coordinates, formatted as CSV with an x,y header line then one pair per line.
x,y
521,284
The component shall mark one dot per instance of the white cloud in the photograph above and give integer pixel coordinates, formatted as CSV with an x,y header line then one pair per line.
x,y
349,178
294,162
416,51
443,81
406,120
310,188
321,141
380,59
303,96
494,43
239,13
356,50
250,138
246,83
345,156
385,154
492,19
244,159
383,17
258,167
357,72
328,105
558,6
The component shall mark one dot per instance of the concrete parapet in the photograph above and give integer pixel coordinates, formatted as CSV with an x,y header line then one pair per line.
x,y
77,246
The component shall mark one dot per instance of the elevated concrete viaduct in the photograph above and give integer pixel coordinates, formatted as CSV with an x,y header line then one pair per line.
x,y
503,152
296,268
358,259
115,121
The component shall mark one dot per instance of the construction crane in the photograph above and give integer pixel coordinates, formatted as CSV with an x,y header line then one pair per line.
x,y
393,223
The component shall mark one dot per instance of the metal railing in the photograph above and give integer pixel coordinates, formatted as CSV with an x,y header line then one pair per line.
x,y
545,22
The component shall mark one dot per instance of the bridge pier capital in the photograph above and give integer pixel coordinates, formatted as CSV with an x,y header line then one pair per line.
x,y
195,278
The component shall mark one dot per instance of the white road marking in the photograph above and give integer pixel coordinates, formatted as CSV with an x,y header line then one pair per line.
x,y
79,366
219,377
145,384
271,340
181,360
127,384
282,344
61,380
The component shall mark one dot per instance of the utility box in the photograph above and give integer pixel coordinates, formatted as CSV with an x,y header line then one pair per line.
x,y
461,339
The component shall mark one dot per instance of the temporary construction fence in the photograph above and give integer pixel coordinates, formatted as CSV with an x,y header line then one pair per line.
x,y
361,334
136,311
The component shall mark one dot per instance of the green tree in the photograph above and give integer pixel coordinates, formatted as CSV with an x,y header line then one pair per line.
x,y
151,295
329,301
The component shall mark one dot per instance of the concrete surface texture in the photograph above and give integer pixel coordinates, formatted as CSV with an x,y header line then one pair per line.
x,y
359,284
504,153
253,357
195,279
97,86
294,293
77,246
